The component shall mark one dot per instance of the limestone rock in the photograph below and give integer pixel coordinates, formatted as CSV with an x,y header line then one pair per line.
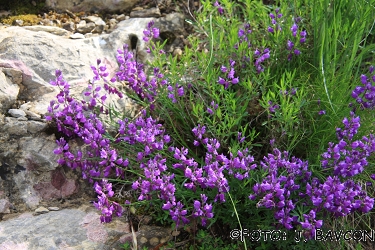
x,y
8,92
91,5
17,113
14,127
83,27
152,12
41,210
34,127
99,23
77,36
65,229
4,206
69,26
49,29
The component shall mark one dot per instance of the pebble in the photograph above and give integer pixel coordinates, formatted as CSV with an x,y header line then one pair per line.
x,y
40,210
32,115
77,36
53,208
16,113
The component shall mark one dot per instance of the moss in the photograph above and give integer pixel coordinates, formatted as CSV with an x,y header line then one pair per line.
x,y
20,7
27,19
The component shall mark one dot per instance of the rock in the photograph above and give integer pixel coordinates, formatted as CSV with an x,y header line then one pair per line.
x,y
152,12
71,14
151,236
53,208
22,118
9,91
94,19
4,206
99,23
112,23
34,127
121,17
17,113
77,36
14,127
83,27
66,229
37,108
177,52
50,29
173,23
69,26
36,153
40,210
17,22
91,5
32,115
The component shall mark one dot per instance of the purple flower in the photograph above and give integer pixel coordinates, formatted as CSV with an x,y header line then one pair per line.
x,y
219,8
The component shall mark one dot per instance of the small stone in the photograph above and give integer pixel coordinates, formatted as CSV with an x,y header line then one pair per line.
x,y
22,119
69,26
32,115
120,17
70,14
35,126
16,113
177,52
77,36
53,208
17,23
153,12
154,241
40,210
4,206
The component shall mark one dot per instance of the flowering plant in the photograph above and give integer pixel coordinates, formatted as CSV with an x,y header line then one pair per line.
x,y
234,131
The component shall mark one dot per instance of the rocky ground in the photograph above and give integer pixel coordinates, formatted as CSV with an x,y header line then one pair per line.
x,y
47,211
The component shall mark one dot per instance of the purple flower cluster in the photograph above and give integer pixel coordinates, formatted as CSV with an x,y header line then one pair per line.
x,y
275,21
338,197
349,157
150,32
179,89
74,121
286,181
132,72
203,210
272,107
280,186
290,45
219,8
212,108
217,166
104,190
310,224
365,95
260,57
243,35
230,78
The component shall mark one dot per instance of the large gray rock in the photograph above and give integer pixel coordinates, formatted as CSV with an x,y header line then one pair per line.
x,y
64,229
8,92
28,60
91,5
